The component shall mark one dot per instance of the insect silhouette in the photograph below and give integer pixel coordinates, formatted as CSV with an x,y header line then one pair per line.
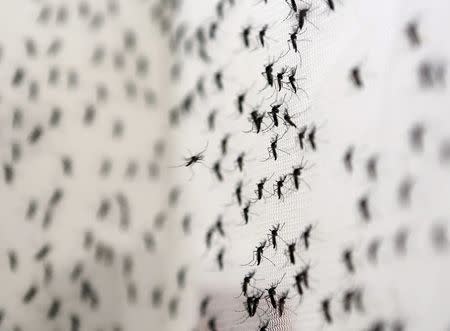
x,y
240,101
273,147
355,77
293,38
53,76
89,115
293,5
173,307
404,191
43,252
301,136
288,119
352,297
174,117
413,34
306,235
186,224
371,167
174,195
124,210
240,161
274,111
88,239
8,171
131,169
330,4
200,86
56,197
206,58
74,322
48,273
400,240
219,226
54,309
76,272
274,234
262,34
260,188
131,292
347,257
293,80
246,282
219,258
363,208
200,34
213,30
280,76
439,237
279,186
220,9
302,17
212,324
348,158
160,219
157,296
302,279
249,305
187,102
268,71
444,152
272,292
149,241
297,173
326,310
18,77
358,299
431,73
204,305
17,120
305,275
224,144
16,151
246,36
246,212
194,159
282,303
347,300
35,134
254,304
44,14
378,325
181,277
311,137
88,293
30,294
416,137
257,119
217,169
218,79
212,120
298,283
372,250
258,254
291,248
238,192
264,325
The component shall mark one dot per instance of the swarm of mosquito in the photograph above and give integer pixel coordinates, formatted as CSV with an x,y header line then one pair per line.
x,y
274,121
